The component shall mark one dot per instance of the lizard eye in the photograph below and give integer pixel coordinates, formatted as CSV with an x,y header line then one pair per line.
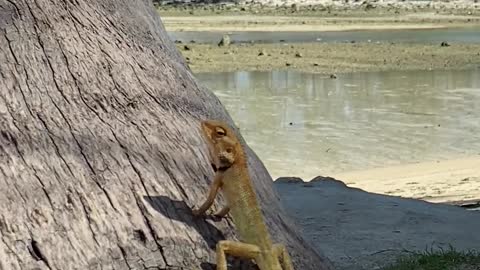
x,y
229,150
220,131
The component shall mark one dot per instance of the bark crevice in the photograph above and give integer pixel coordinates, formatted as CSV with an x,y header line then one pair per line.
x,y
37,254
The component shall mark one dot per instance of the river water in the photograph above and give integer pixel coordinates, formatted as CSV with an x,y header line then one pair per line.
x,y
453,35
308,124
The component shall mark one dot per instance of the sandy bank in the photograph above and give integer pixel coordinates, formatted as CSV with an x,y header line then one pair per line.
x,y
330,58
439,181
361,230
455,181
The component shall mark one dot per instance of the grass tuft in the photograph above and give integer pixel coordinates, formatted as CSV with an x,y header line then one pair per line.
x,y
438,260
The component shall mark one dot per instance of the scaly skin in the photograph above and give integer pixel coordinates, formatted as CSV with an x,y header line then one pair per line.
x,y
233,179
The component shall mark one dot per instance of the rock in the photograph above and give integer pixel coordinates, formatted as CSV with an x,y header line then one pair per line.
x,y
368,6
178,41
262,52
333,76
329,181
295,7
225,42
289,180
298,55
288,64
444,44
315,64
187,48
361,224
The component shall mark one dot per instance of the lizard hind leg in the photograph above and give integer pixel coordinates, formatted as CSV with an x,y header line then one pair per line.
x,y
282,253
237,249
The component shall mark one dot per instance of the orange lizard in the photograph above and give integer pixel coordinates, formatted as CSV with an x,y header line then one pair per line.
x,y
233,179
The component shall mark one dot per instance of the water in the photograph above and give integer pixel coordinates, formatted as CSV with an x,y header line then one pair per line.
x,y
453,35
308,124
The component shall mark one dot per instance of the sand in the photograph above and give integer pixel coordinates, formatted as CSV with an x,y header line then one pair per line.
x,y
450,181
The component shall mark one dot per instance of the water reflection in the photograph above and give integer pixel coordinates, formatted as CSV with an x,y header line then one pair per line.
x,y
308,124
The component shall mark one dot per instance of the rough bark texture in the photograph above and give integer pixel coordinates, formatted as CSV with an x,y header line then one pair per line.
x,y
100,152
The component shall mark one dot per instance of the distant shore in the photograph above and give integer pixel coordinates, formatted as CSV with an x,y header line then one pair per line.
x,y
402,15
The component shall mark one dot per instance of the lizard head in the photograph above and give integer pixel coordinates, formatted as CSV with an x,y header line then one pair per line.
x,y
222,143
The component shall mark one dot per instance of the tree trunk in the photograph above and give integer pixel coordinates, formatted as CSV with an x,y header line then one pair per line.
x,y
100,152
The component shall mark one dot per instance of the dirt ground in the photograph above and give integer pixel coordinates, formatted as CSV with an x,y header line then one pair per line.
x,y
330,58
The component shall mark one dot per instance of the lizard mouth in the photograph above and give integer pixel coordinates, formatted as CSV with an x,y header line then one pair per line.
x,y
215,169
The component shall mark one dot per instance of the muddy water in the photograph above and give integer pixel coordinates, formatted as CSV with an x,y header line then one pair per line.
x,y
470,35
308,124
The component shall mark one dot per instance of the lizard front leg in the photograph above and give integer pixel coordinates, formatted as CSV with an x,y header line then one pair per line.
x,y
216,184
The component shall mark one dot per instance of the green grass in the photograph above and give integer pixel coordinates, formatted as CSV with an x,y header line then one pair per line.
x,y
438,260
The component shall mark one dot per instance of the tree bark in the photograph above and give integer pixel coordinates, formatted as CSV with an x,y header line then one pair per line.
x,y
100,152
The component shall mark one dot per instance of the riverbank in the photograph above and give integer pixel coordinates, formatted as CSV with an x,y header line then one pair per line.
x,y
330,58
